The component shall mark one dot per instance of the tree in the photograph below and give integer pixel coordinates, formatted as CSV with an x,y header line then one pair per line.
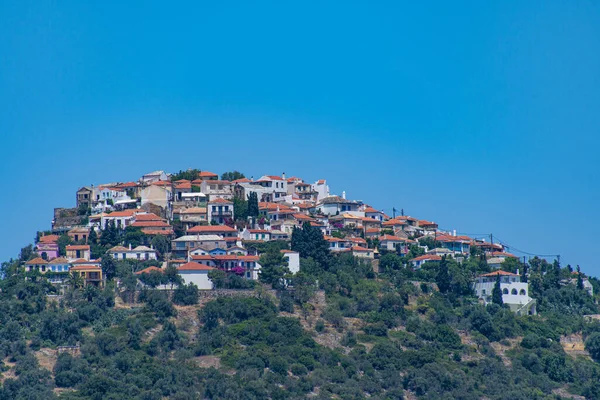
x,y
240,208
579,279
63,241
189,175
442,278
75,280
218,278
93,237
161,244
133,236
309,242
232,176
186,295
27,253
253,205
273,269
172,276
592,345
497,292
109,266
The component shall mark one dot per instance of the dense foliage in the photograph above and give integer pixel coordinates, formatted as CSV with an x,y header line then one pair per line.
x,y
337,329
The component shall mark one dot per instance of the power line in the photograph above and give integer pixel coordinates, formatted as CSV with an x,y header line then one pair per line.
x,y
525,252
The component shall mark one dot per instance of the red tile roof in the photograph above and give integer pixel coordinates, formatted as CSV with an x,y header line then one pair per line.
x,y
392,238
194,266
162,183
150,224
220,200
157,231
499,272
124,213
78,247
258,231
211,228
184,185
361,249
243,180
427,257
148,270
36,261
207,174
147,217
49,239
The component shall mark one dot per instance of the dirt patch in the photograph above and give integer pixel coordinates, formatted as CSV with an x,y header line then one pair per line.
x,y
564,394
573,345
501,349
10,373
208,362
46,358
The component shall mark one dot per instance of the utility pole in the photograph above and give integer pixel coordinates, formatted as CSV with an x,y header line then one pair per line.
x,y
492,241
402,212
558,259
394,212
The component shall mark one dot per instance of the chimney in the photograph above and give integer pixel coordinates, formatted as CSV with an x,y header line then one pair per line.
x,y
283,176
129,246
344,195
454,232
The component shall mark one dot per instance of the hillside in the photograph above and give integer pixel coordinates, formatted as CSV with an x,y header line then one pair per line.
x,y
189,287
358,335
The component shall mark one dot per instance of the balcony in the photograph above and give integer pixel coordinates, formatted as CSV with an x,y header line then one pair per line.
x,y
221,214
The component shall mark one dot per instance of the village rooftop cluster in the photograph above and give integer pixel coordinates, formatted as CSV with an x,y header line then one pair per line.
x,y
197,216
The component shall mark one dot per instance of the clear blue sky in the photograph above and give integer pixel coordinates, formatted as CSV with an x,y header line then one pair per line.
x,y
482,116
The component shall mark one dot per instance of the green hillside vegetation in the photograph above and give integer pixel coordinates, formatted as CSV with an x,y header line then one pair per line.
x,y
337,329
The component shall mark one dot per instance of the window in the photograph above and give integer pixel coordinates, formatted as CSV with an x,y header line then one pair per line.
x,y
523,292
123,256
483,292
513,292
505,291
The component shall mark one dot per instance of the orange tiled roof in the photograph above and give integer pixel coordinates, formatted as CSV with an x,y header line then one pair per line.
x,y
361,249
220,200
184,185
157,231
148,270
392,238
49,239
36,261
124,213
162,183
148,217
78,247
194,266
242,180
207,174
150,224
427,257
211,228
499,272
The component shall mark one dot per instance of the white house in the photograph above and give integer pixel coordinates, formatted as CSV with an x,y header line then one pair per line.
x,y
515,293
293,259
393,243
141,253
217,189
193,272
256,234
370,212
334,205
418,262
220,210
321,189
155,176
122,219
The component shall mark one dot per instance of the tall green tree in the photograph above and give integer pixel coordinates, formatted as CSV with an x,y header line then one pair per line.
x,y
497,292
109,266
309,242
161,244
273,269
240,208
172,276
253,205
442,278
579,279
232,176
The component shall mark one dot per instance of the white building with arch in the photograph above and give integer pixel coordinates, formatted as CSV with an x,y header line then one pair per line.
x,y
515,293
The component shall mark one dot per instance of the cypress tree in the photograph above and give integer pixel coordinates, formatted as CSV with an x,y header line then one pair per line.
x,y
497,292
442,278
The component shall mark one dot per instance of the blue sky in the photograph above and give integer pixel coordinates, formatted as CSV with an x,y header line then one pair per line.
x,y
482,117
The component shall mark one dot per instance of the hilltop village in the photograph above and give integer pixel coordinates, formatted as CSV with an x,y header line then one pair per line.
x,y
198,222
